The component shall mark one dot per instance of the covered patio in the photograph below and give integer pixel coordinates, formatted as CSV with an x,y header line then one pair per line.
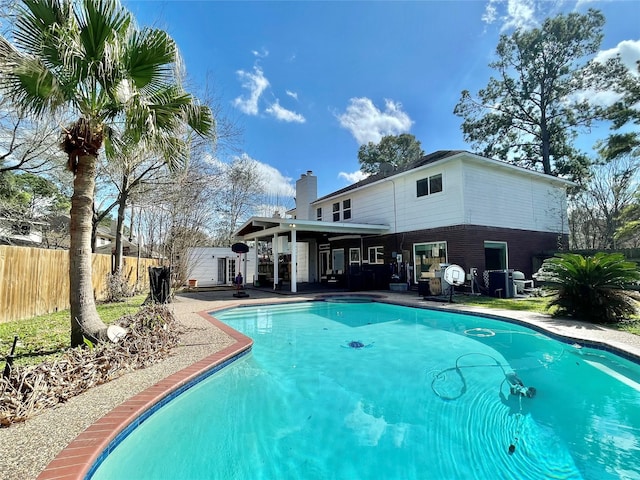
x,y
284,234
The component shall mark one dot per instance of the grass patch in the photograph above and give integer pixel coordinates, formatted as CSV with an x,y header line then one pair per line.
x,y
530,304
631,327
48,335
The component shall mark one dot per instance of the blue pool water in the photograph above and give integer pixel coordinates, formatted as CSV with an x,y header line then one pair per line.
x,y
376,391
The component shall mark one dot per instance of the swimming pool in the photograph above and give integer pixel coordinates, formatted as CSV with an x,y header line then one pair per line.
x,y
371,390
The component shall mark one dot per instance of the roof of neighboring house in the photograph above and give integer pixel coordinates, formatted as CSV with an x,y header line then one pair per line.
x,y
29,221
109,247
105,232
440,155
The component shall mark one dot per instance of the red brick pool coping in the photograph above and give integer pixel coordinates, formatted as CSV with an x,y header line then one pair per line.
x,y
75,461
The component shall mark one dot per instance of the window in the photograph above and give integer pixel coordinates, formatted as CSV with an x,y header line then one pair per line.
x,y
435,184
346,209
422,187
354,256
325,261
319,214
428,257
336,212
376,254
429,185
337,259
21,229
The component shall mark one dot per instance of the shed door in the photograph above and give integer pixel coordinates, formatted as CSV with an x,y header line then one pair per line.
x,y
231,270
222,271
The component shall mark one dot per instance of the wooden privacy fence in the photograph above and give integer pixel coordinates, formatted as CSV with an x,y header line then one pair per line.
x,y
35,281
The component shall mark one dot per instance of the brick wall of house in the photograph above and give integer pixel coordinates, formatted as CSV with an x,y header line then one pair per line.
x,y
465,244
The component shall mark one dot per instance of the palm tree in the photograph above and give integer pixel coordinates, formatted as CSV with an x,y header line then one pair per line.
x,y
122,85
592,288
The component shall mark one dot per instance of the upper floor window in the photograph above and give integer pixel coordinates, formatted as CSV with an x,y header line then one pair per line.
x,y
319,214
429,185
346,209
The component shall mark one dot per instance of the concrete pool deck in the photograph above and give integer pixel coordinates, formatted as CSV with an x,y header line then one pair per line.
x,y
63,442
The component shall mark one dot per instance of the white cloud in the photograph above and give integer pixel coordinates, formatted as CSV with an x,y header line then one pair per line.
x,y
256,83
277,191
353,177
629,51
367,123
582,3
283,114
600,98
515,14
490,12
292,94
275,182
263,53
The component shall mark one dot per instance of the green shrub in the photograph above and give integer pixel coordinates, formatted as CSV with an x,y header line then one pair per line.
x,y
591,288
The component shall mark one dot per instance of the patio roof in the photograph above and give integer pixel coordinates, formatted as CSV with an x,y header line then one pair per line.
x,y
260,227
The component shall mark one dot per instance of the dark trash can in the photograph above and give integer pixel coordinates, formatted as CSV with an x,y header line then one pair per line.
x,y
159,284
501,284
423,288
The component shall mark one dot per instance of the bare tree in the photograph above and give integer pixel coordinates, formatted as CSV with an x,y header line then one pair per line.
x,y
179,214
596,212
273,202
237,197
26,144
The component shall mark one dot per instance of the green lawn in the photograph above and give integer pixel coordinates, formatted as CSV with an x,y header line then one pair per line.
x,y
631,327
47,335
531,304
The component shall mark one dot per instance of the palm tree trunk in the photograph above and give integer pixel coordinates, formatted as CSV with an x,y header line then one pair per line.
x,y
85,321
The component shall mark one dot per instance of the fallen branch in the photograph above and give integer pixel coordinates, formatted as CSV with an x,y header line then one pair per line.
x,y
152,334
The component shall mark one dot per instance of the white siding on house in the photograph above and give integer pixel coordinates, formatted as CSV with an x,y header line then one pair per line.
x,y
473,193
500,198
430,211
370,205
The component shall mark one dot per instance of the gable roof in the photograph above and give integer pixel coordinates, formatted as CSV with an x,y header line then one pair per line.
x,y
441,156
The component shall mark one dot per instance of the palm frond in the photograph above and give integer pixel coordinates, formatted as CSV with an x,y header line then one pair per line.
x,y
27,81
150,58
200,119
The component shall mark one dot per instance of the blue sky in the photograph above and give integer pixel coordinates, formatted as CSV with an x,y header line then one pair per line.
x,y
309,82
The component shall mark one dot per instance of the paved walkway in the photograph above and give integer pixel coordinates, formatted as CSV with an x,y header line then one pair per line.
x,y
27,448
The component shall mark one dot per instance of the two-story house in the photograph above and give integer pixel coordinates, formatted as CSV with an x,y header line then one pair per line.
x,y
449,207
